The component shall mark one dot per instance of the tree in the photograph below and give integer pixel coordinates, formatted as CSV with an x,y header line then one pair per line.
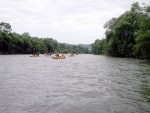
x,y
26,34
128,35
143,39
99,47
5,27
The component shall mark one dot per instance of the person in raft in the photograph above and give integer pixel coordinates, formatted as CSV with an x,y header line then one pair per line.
x,y
57,55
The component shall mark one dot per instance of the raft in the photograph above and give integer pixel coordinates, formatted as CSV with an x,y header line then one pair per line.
x,y
56,57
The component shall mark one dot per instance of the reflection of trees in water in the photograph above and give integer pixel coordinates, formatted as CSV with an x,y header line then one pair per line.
x,y
144,77
145,62
145,91
145,88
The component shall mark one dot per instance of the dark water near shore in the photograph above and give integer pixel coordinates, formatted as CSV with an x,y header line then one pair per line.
x,y
80,84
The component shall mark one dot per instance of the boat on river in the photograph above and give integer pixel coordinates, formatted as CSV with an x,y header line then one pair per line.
x,y
56,57
59,57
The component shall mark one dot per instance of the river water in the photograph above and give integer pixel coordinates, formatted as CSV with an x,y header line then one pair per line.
x,y
79,84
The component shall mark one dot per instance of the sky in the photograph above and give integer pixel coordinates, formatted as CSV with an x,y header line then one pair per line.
x,y
67,21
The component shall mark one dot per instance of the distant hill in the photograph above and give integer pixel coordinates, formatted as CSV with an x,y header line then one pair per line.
x,y
82,45
86,46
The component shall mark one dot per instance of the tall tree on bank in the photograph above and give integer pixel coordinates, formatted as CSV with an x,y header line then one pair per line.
x,y
5,27
142,47
128,35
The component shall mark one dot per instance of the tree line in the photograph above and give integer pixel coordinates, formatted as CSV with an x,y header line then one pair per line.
x,y
14,43
128,35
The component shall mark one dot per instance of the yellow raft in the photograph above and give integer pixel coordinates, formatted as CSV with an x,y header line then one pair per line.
x,y
56,57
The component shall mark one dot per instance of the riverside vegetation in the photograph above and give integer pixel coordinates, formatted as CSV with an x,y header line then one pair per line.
x,y
14,43
128,35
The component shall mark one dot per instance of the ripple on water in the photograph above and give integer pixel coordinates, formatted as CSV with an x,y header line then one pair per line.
x,y
80,84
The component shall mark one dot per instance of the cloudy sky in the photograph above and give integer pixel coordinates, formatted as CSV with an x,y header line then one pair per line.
x,y
69,21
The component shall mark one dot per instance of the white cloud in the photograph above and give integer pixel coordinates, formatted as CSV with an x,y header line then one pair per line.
x,y
70,21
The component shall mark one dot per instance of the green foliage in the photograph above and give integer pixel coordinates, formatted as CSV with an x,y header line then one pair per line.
x,y
68,48
5,27
127,35
143,40
13,43
99,47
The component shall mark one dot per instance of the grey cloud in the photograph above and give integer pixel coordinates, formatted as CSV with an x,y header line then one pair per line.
x,y
71,21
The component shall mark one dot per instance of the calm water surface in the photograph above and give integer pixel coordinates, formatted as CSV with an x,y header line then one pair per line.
x,y
80,84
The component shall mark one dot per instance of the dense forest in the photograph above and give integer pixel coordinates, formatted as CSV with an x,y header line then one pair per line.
x,y
128,35
14,43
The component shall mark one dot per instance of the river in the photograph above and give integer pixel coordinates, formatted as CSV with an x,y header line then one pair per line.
x,y
79,84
